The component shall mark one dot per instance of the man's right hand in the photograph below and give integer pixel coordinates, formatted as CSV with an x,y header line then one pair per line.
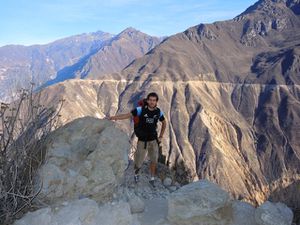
x,y
120,116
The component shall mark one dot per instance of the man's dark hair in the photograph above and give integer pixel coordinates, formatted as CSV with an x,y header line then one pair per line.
x,y
152,94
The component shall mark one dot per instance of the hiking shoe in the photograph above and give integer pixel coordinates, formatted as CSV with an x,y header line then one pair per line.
x,y
151,182
136,178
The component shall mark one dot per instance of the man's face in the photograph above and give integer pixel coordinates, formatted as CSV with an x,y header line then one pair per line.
x,y
152,102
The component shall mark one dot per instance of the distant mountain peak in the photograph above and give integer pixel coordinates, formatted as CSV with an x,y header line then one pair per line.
x,y
130,31
99,32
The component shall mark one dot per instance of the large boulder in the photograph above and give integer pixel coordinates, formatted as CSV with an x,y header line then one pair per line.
x,y
206,203
273,213
243,213
199,202
86,157
81,212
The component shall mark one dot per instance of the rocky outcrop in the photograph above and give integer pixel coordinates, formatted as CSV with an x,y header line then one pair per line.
x,y
86,181
270,213
85,158
81,212
203,202
198,203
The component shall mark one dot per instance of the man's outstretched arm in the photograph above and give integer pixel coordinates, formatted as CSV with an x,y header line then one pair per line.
x,y
121,116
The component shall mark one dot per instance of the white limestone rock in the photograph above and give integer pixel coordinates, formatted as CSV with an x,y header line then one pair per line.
x,y
273,213
81,212
78,212
243,213
86,157
116,214
172,188
39,217
137,205
167,182
199,202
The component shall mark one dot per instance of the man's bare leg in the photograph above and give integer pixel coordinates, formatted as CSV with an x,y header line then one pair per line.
x,y
152,173
152,169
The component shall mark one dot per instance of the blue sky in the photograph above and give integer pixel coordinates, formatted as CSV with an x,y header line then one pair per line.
x,y
42,21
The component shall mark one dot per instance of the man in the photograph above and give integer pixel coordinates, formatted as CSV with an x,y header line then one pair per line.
x,y
146,131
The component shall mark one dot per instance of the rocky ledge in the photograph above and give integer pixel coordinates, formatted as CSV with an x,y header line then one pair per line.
x,y
87,180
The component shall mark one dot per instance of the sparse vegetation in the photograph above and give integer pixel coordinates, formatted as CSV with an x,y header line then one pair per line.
x,y
183,174
24,124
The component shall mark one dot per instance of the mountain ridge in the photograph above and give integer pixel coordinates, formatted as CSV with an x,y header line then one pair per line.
x,y
63,57
240,36
111,57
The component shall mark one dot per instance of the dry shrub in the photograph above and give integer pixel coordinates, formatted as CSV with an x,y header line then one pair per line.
x,y
24,124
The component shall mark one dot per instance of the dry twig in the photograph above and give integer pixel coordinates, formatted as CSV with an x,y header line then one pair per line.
x,y
24,125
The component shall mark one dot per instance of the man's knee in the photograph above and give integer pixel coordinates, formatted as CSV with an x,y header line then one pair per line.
x,y
153,152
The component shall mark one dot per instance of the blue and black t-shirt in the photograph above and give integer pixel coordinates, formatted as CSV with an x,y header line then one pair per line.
x,y
146,128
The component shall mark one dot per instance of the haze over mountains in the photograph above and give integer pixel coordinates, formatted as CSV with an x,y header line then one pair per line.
x,y
38,63
79,56
230,91
112,57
